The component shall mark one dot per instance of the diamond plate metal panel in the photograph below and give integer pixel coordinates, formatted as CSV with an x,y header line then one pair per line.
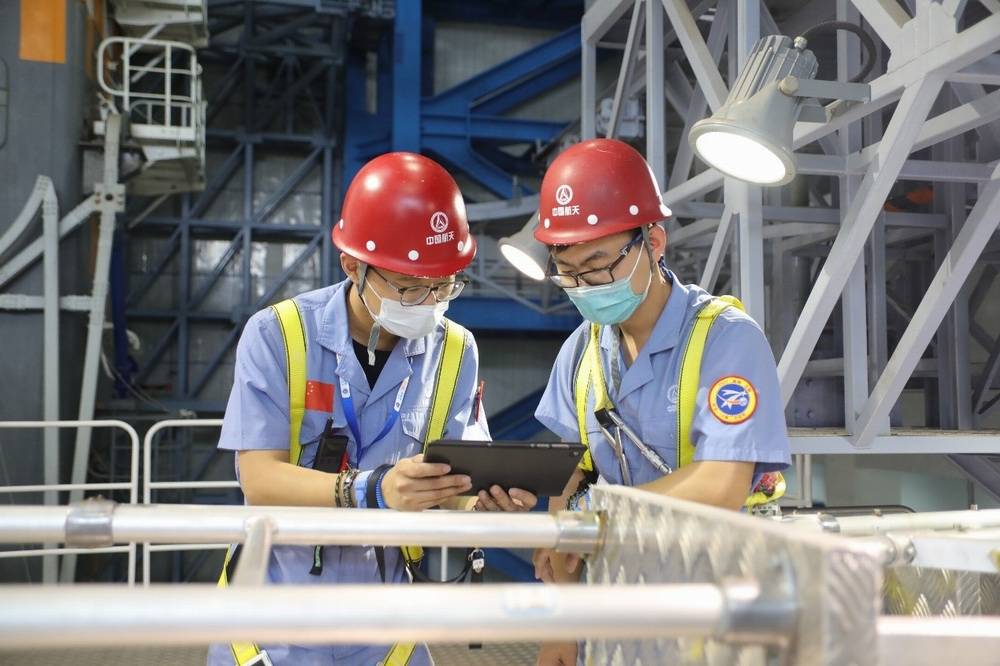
x,y
835,582
929,592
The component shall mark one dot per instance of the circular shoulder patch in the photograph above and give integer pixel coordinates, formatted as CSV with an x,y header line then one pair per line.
x,y
732,400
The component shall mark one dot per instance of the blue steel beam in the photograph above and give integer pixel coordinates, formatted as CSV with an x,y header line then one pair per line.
x,y
168,252
502,314
457,151
406,80
450,122
536,14
265,299
529,88
471,126
562,47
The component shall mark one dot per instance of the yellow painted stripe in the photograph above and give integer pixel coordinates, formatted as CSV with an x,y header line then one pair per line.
x,y
43,31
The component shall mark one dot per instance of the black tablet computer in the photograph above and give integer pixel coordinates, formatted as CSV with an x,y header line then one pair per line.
x,y
542,468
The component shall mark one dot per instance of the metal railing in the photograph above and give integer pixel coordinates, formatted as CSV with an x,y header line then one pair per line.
x,y
149,485
132,485
157,57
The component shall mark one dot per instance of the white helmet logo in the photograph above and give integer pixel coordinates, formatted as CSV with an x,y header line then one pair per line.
x,y
564,194
439,222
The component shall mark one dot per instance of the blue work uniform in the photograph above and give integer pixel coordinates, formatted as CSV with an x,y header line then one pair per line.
x,y
257,418
737,355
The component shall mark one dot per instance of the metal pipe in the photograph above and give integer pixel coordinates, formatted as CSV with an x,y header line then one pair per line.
x,y
256,553
566,531
898,522
201,614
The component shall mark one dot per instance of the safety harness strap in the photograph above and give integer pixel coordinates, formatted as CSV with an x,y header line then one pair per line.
x,y
690,374
590,380
445,383
293,333
244,654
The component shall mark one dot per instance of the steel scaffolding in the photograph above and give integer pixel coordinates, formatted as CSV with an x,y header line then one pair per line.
x,y
898,273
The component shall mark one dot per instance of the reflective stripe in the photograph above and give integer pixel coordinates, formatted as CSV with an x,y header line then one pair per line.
x,y
294,336
399,654
590,378
449,368
690,374
445,383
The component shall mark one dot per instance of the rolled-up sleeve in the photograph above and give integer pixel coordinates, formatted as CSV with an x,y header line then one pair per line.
x,y
257,411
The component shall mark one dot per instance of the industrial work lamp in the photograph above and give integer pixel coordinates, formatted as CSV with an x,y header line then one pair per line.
x,y
750,136
524,252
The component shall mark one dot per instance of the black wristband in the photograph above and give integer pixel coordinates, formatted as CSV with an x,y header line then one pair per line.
x,y
371,491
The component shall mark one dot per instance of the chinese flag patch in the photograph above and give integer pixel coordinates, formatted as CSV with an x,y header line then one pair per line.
x,y
319,396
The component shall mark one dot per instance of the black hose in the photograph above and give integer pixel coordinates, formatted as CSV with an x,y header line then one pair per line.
x,y
866,41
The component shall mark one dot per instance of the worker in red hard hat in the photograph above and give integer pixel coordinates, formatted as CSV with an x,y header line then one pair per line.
x,y
673,390
337,391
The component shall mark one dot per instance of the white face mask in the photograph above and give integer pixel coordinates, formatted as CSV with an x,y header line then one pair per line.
x,y
410,321
406,321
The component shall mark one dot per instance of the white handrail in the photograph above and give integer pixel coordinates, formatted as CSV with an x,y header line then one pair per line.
x,y
149,485
132,485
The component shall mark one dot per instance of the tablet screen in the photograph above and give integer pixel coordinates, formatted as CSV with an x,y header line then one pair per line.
x,y
541,468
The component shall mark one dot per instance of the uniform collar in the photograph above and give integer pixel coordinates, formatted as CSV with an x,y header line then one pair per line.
x,y
335,335
665,335
667,330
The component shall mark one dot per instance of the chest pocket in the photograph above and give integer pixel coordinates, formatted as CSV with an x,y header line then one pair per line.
x,y
414,424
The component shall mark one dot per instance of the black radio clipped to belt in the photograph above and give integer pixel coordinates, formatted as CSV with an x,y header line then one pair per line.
x,y
331,453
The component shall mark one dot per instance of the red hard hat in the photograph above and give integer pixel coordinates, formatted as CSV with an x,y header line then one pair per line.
x,y
595,189
403,212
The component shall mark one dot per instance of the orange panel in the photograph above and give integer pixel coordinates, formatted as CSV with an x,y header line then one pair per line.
x,y
43,30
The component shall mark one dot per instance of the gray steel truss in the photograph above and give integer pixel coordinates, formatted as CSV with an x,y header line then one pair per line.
x,y
851,233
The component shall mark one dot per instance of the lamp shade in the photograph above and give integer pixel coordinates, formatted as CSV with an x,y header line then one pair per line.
x,y
524,252
750,136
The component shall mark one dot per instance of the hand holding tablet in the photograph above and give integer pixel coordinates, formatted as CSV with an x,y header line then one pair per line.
x,y
541,468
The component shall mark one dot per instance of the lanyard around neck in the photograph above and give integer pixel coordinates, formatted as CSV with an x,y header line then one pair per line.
x,y
352,416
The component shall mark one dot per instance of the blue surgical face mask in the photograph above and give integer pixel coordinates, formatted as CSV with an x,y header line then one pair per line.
x,y
610,303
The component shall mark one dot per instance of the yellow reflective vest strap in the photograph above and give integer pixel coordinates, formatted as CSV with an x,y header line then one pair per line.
x,y
294,337
399,654
690,374
243,653
293,333
589,380
445,383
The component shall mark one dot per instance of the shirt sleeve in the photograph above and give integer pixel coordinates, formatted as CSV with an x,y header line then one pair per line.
x,y
739,414
257,411
468,416
557,408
